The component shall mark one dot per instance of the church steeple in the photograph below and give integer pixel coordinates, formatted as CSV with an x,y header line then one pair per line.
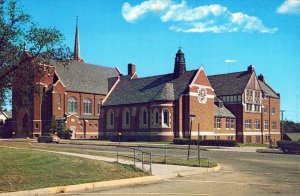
x,y
179,67
77,44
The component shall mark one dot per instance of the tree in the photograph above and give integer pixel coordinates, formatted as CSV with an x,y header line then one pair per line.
x,y
24,49
291,126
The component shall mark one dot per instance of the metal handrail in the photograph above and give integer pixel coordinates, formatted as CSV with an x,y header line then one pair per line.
x,y
135,157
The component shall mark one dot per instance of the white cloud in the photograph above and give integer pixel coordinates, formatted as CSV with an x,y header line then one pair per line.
x,y
289,7
132,13
230,61
208,18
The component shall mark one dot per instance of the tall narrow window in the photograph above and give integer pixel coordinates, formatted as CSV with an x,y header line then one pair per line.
x,y
87,106
126,119
232,124
72,105
110,119
99,104
248,124
257,124
144,117
227,123
274,125
266,125
58,101
156,117
166,117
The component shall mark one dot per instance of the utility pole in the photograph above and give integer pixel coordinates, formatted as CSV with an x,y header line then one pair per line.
x,y
281,131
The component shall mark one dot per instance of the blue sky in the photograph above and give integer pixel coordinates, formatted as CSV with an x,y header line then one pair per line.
x,y
263,33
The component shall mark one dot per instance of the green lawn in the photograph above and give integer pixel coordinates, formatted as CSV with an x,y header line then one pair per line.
x,y
26,169
254,145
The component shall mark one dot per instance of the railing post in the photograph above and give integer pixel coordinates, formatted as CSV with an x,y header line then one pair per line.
x,y
143,161
166,154
117,154
199,158
151,163
134,157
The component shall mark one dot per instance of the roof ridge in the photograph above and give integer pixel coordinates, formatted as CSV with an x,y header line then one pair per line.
x,y
227,73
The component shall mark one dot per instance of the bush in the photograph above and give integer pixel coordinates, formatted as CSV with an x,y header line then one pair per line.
x,y
64,134
45,139
229,143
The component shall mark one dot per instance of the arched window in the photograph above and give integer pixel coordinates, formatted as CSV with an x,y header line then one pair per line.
x,y
99,104
155,117
72,105
143,117
166,117
110,119
126,119
87,106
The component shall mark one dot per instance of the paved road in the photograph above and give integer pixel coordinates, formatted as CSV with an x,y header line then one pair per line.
x,y
242,173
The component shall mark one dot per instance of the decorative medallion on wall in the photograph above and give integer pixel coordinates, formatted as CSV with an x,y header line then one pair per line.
x,y
202,95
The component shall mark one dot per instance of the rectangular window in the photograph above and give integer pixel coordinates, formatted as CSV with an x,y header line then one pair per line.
x,y
265,109
36,125
273,110
232,124
266,125
58,101
274,125
257,108
257,124
257,139
249,107
218,123
249,96
227,123
257,97
239,98
248,124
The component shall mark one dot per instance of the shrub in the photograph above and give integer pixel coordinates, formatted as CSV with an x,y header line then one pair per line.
x,y
45,139
229,143
64,134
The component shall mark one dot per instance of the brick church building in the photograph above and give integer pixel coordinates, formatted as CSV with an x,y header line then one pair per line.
x,y
99,102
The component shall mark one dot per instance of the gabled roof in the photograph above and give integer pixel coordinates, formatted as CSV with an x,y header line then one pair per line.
x,y
84,77
268,90
231,83
222,112
143,90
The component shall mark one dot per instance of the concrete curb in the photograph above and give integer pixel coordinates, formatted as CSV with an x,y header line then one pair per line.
x,y
109,184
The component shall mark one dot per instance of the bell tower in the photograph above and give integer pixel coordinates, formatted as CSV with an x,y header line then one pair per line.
x,y
179,67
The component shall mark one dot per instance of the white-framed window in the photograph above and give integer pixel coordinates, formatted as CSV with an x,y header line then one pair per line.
x,y
249,96
248,124
232,124
126,118
257,124
58,101
257,97
110,119
99,105
87,106
217,123
257,108
227,123
274,125
266,124
156,117
248,107
72,105
166,117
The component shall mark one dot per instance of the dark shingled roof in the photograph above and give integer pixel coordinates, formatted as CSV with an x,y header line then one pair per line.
x,y
223,112
143,90
268,90
84,77
229,84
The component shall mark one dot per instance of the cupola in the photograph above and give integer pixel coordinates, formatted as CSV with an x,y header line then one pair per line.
x,y
179,67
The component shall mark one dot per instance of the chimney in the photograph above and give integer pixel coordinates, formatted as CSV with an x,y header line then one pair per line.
x,y
131,69
261,78
250,68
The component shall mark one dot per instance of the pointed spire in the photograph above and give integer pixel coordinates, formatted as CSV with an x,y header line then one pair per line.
x,y
179,67
77,44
